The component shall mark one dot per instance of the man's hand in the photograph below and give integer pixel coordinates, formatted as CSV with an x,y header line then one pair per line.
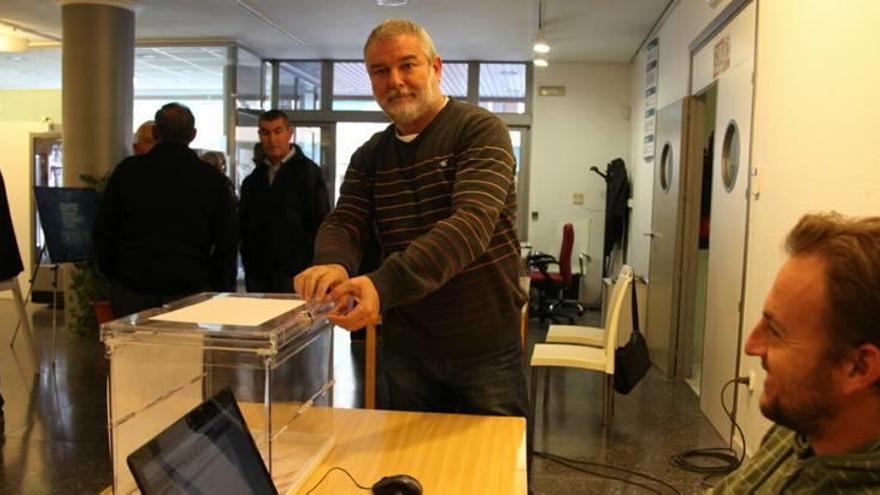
x,y
313,283
361,293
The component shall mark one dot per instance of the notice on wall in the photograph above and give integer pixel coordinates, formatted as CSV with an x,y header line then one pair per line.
x,y
721,56
652,74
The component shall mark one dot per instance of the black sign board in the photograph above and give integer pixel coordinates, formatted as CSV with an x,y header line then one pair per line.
x,y
67,215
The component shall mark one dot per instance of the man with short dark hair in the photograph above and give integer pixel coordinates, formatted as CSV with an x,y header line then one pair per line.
x,y
819,342
438,187
166,223
283,202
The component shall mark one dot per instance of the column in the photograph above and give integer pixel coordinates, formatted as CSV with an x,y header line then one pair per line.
x,y
97,85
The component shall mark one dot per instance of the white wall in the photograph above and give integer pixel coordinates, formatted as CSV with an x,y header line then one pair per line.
x,y
589,126
21,113
681,26
815,144
814,141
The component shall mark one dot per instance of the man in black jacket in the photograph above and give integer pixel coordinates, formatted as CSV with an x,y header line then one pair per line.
x,y
283,202
166,225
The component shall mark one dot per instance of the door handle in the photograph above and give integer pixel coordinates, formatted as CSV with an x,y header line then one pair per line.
x,y
652,235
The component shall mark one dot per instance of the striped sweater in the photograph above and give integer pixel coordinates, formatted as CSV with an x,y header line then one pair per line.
x,y
443,206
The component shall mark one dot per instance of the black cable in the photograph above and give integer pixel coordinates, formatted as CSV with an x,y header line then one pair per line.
x,y
727,458
337,468
569,463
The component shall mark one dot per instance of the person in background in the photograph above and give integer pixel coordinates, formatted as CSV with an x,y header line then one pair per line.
x,y
166,225
143,138
283,202
438,187
215,159
819,342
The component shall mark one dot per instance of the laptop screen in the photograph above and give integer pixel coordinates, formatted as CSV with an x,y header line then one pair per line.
x,y
208,451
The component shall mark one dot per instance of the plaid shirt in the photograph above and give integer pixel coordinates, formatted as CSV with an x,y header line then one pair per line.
x,y
786,463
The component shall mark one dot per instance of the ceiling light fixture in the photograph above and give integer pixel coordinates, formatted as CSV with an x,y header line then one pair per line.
x,y
540,45
391,3
540,62
12,44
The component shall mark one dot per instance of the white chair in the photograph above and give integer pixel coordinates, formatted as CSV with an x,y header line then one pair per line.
x,y
599,359
586,335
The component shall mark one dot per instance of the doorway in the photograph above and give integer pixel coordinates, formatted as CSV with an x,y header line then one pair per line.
x,y
696,311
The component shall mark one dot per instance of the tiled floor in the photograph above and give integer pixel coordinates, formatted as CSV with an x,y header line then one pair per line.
x,y
56,442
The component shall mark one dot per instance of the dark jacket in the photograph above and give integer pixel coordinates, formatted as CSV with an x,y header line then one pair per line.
x,y
10,258
279,222
166,224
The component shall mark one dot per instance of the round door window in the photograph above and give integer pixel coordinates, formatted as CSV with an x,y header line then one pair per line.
x,y
666,165
730,156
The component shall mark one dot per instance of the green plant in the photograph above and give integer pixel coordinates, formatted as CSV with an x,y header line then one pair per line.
x,y
87,284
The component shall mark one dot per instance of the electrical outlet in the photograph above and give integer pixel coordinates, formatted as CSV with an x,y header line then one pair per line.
x,y
752,379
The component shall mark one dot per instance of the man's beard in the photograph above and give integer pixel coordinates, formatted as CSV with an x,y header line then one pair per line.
x,y
408,109
804,406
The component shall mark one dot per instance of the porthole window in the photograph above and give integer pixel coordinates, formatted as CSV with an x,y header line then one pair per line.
x,y
730,156
666,165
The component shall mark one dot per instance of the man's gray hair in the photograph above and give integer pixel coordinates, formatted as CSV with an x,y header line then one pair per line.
x,y
392,28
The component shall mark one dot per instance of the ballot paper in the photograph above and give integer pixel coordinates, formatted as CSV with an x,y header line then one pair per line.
x,y
243,311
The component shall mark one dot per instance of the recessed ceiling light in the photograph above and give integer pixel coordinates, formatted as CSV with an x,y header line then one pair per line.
x,y
541,62
391,3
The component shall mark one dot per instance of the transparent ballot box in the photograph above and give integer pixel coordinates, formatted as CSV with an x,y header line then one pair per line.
x,y
271,352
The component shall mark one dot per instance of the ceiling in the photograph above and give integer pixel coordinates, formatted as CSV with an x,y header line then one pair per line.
x,y
595,31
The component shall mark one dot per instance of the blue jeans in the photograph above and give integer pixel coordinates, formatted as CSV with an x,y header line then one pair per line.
x,y
491,384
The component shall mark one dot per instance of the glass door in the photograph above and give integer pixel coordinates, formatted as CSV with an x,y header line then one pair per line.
x,y
47,165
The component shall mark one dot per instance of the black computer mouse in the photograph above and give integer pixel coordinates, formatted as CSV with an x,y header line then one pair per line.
x,y
398,484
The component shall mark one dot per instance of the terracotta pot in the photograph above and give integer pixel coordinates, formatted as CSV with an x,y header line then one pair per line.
x,y
103,311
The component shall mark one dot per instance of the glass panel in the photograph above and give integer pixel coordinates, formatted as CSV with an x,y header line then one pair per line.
x,y
730,156
454,79
191,75
248,80
299,85
309,139
351,88
666,165
503,87
246,138
267,85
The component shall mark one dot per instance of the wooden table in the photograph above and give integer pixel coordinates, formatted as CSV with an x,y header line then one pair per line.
x,y
447,453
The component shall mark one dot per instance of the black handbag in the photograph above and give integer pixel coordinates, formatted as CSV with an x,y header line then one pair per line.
x,y
631,362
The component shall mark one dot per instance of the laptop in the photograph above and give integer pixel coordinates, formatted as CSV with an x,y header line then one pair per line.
x,y
208,451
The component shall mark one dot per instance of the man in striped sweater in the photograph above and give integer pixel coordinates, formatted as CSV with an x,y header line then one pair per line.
x,y
438,187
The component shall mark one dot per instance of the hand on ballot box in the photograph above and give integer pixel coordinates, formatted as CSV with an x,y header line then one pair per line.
x,y
313,283
356,304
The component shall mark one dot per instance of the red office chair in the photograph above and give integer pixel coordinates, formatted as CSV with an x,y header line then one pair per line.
x,y
550,286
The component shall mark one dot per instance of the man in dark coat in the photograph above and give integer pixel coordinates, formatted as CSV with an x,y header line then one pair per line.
x,y
10,257
166,223
283,202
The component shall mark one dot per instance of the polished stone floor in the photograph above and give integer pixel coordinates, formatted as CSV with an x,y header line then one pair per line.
x,y
55,437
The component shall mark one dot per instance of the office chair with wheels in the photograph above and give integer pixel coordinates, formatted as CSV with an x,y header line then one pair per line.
x,y
551,285
600,359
